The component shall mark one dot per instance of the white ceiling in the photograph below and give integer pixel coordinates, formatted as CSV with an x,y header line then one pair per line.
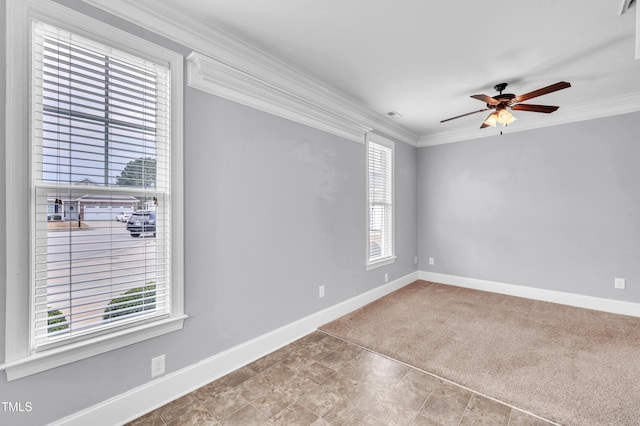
x,y
424,59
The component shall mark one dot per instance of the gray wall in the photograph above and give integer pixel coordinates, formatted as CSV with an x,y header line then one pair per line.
x,y
555,208
273,209
286,208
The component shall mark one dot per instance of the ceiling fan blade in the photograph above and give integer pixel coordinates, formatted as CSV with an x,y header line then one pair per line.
x,y
486,99
553,88
464,115
535,108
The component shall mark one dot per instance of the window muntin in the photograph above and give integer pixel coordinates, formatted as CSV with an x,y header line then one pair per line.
x,y
380,238
100,131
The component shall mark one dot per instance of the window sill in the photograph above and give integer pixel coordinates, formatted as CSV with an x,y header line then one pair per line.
x,y
52,358
381,262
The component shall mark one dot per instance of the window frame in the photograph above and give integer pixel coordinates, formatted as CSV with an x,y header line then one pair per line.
x,y
20,359
387,260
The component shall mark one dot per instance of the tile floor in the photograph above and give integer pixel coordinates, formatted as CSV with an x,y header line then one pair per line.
x,y
320,380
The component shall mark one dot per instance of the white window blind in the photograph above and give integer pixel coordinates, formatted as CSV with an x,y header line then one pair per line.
x,y
101,146
380,199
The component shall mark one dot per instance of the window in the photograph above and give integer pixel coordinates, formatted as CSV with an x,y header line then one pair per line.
x,y
105,130
380,239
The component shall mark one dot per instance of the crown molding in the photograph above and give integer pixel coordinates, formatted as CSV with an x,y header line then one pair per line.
x,y
214,77
247,70
586,111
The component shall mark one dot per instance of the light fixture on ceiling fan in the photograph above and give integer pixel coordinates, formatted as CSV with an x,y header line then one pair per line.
x,y
501,116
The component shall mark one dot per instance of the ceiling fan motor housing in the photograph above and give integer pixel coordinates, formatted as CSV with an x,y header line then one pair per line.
x,y
503,98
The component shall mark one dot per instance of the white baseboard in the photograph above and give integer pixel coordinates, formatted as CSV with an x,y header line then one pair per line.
x,y
571,299
138,401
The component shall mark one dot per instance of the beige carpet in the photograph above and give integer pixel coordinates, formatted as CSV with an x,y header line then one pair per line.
x,y
573,366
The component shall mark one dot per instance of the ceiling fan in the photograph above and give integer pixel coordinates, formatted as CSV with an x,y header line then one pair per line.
x,y
503,102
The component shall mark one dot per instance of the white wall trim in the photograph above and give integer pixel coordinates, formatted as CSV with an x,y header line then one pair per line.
x,y
251,67
587,111
67,354
138,401
571,299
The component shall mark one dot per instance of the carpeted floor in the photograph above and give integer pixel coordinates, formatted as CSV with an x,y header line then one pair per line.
x,y
570,365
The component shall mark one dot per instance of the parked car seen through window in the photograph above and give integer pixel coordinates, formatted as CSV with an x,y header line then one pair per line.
x,y
142,222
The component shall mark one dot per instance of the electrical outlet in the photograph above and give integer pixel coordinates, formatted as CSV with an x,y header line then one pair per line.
x,y
415,260
432,261
157,366
321,291
620,283
386,277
